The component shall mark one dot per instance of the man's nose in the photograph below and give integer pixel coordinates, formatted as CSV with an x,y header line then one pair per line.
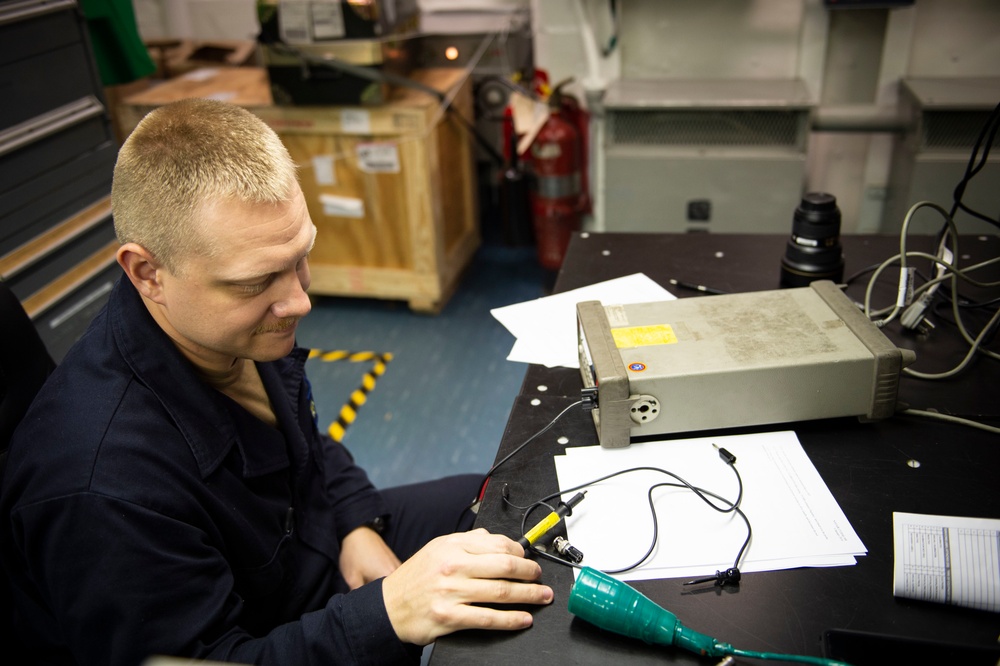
x,y
295,301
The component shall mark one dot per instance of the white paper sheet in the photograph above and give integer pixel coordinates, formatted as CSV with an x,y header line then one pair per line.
x,y
795,519
948,559
545,328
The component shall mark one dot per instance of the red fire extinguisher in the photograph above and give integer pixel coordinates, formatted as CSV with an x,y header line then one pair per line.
x,y
556,195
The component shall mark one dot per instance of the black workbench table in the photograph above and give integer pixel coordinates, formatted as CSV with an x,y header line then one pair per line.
x,y
866,466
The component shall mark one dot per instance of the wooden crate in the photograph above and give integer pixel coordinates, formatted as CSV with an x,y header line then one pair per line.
x,y
245,86
390,188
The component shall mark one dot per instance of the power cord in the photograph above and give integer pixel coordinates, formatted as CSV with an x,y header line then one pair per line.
x,y
947,271
984,141
905,289
948,418
914,318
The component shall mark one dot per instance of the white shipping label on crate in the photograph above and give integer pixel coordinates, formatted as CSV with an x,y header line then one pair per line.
x,y
338,206
327,20
293,21
378,157
323,170
355,121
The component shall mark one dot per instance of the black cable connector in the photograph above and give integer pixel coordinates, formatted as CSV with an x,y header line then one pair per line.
x,y
726,456
588,396
730,576
567,550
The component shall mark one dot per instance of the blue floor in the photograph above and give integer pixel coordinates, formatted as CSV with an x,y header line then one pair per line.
x,y
441,406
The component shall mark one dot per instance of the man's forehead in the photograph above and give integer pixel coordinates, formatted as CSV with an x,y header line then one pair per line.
x,y
250,240
248,261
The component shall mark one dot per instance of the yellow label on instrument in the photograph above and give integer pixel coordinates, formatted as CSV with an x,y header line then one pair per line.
x,y
643,336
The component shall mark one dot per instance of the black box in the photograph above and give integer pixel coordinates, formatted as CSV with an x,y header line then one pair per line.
x,y
348,72
336,51
319,21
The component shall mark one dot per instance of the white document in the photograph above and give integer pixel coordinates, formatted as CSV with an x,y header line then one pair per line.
x,y
795,519
545,328
948,559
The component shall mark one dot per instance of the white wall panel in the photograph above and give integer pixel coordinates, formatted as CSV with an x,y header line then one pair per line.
x,y
955,38
710,39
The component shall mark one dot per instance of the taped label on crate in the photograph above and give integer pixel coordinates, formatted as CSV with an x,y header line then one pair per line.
x,y
293,21
307,22
355,121
338,206
327,20
378,157
323,170
405,121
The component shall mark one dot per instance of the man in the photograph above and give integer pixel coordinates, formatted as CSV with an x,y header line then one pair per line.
x,y
170,493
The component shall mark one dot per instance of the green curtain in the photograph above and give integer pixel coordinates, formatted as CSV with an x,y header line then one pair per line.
x,y
118,49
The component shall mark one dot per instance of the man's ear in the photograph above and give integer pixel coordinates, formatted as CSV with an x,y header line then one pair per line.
x,y
142,269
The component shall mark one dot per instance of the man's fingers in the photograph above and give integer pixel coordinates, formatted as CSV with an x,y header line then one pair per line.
x,y
458,615
478,617
481,542
451,583
494,565
506,592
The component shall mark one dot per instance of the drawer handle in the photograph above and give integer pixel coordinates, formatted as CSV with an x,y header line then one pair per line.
x,y
49,123
22,11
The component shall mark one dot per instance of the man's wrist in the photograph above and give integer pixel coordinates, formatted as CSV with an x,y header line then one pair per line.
x,y
377,524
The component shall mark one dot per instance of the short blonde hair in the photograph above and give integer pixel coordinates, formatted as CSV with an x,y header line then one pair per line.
x,y
184,155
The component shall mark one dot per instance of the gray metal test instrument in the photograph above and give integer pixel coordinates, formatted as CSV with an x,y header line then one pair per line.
x,y
734,360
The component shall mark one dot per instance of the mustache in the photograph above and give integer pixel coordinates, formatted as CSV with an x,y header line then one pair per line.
x,y
277,326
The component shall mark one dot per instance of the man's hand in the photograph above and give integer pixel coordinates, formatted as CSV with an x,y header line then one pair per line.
x,y
433,592
365,557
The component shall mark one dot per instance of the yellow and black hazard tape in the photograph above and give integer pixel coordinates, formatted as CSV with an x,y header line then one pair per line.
x,y
359,396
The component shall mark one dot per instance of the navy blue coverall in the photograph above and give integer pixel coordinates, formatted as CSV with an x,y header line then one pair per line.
x,y
145,513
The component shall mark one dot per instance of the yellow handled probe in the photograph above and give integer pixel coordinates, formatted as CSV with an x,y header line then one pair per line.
x,y
548,522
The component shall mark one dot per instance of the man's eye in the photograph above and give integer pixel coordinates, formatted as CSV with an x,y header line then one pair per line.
x,y
254,288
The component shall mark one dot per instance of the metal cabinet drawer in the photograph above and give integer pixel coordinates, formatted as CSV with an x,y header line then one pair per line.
x,y
64,323
45,63
54,194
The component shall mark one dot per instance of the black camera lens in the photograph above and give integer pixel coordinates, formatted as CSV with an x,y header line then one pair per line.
x,y
813,251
